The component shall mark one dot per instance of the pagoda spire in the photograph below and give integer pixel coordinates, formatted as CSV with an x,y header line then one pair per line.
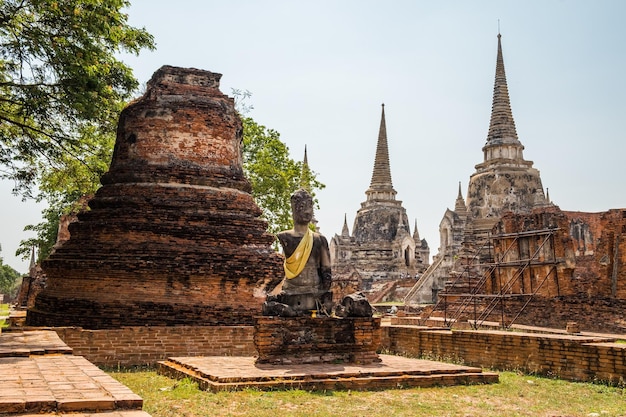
x,y
305,183
504,181
416,234
345,232
33,261
305,175
502,146
381,187
501,126
381,176
459,205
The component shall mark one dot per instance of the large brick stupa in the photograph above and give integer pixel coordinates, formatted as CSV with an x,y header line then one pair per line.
x,y
173,237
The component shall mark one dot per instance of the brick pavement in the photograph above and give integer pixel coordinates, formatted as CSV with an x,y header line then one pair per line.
x,y
219,373
35,342
38,374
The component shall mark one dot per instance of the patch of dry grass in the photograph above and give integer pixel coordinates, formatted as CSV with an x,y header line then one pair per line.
x,y
515,395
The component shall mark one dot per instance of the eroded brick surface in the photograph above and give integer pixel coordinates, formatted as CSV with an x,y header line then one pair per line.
x,y
584,264
297,340
174,235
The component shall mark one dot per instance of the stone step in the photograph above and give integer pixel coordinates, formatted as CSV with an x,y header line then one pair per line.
x,y
35,342
236,373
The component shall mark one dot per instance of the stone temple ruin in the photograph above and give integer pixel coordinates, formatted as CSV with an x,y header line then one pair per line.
x,y
381,257
173,236
508,254
503,182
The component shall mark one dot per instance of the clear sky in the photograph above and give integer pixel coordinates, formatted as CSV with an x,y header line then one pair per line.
x,y
319,71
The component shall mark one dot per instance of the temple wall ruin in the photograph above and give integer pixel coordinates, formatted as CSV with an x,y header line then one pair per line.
x,y
588,249
567,356
146,345
575,358
599,241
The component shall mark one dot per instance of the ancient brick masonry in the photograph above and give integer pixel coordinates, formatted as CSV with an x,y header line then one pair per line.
x,y
297,340
381,250
588,283
173,236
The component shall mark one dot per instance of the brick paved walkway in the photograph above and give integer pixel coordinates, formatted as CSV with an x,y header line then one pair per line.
x,y
38,374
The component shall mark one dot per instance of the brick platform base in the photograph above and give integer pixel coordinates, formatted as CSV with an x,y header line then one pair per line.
x,y
219,373
299,340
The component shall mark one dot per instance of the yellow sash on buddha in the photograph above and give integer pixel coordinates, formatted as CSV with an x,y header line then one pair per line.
x,y
296,262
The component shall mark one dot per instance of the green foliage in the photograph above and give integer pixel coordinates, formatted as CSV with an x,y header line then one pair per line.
x,y
273,174
9,280
59,79
61,91
63,186
46,234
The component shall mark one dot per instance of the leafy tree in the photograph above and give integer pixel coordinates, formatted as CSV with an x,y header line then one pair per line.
x,y
60,80
273,174
64,186
61,90
9,279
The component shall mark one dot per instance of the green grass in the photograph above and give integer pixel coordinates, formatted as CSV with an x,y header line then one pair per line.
x,y
515,395
4,312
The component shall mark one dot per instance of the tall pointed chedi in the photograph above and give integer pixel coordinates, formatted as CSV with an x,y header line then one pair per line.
x,y
546,266
504,181
305,175
381,247
380,214
381,188
459,205
305,183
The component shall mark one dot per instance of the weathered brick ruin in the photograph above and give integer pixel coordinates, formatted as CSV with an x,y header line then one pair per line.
x,y
32,284
381,250
173,236
574,263
35,281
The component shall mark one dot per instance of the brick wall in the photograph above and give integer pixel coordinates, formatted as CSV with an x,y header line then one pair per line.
x,y
569,357
598,315
146,345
